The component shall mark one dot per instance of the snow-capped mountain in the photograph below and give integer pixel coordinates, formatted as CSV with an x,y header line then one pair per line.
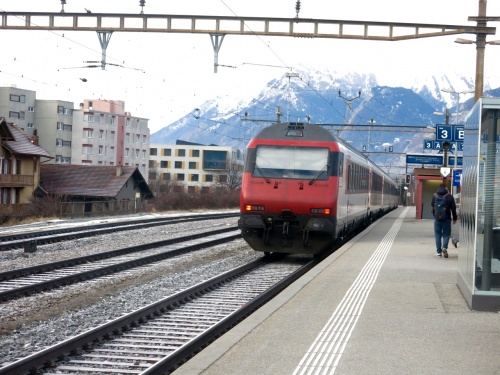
x,y
327,98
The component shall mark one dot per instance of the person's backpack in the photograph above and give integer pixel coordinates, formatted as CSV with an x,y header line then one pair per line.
x,y
441,207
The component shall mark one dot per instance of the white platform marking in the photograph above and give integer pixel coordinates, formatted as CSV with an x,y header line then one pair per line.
x,y
324,354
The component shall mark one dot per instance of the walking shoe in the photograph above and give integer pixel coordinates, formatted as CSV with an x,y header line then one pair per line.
x,y
454,242
438,254
445,253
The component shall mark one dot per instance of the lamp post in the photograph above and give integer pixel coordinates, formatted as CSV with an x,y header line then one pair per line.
x,y
457,93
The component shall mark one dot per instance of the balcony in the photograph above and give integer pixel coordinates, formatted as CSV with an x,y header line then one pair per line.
x,y
16,180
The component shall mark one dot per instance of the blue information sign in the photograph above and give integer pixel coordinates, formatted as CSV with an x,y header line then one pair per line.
x,y
457,176
451,160
424,159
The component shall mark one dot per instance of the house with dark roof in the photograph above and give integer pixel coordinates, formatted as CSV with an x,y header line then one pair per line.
x,y
20,161
91,190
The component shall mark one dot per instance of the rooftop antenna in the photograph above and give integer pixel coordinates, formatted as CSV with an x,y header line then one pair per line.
x,y
62,5
141,4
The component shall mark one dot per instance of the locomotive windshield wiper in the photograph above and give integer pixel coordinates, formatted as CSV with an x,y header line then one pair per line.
x,y
262,173
318,174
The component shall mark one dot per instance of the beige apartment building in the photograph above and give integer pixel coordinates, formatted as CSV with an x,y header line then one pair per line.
x,y
193,167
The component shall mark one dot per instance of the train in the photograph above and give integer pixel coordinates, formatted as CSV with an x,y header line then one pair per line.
x,y
304,190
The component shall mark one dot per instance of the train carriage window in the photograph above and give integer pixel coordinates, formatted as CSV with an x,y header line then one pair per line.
x,y
291,162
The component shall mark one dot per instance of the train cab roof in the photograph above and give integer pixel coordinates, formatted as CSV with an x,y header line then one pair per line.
x,y
296,131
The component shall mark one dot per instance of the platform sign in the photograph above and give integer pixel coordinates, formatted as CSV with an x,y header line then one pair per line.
x,y
451,160
430,144
457,177
424,159
458,133
444,133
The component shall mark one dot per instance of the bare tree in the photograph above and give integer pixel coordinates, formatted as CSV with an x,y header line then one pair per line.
x,y
230,178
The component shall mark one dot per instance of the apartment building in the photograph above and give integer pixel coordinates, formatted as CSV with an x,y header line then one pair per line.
x,y
18,106
193,167
99,132
54,124
105,134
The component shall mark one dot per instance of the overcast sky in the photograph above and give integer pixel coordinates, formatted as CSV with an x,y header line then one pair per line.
x,y
168,75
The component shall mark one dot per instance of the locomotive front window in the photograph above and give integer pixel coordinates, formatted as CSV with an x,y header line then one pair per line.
x,y
291,162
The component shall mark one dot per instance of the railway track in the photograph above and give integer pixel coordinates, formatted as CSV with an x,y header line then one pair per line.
x,y
30,280
29,239
159,337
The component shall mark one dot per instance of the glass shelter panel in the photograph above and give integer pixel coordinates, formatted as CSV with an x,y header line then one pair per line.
x,y
479,257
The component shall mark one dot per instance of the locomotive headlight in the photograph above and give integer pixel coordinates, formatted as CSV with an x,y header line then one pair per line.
x,y
253,207
320,211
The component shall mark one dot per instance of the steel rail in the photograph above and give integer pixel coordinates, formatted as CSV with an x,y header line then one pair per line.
x,y
86,340
91,274
47,236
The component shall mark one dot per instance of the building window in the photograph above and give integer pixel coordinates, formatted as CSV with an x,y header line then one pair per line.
x,y
153,151
144,154
181,152
112,120
112,136
178,164
60,109
164,164
101,119
167,152
59,158
137,154
214,159
59,142
180,176
209,178
127,122
191,189
88,133
166,176
68,111
66,143
126,152
19,115
68,127
144,139
90,105
101,150
195,153
30,125
194,177
31,109
90,118
192,165
60,126
66,160
127,137
101,134
223,178
87,149
17,98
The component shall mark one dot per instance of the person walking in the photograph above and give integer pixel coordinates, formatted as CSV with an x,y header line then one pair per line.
x,y
444,210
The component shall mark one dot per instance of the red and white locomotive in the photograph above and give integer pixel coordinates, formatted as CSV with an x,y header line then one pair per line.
x,y
303,189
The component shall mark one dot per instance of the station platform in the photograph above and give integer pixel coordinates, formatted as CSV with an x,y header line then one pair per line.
x,y
381,304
